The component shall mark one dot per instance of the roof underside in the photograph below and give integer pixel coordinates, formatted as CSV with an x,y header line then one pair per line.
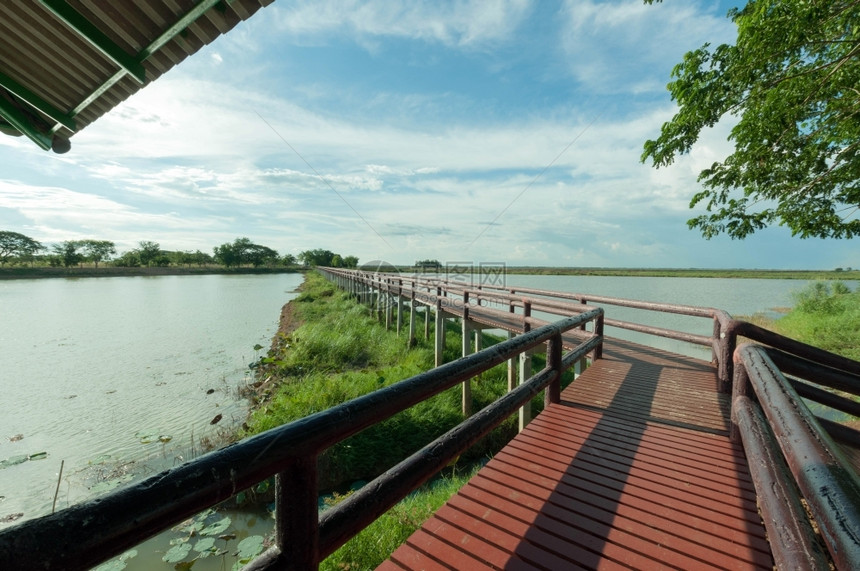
x,y
65,63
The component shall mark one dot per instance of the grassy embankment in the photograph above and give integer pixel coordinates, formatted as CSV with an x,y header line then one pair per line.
x,y
341,352
826,315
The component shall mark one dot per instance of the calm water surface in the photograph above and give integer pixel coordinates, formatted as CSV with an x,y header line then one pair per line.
x,y
738,297
94,367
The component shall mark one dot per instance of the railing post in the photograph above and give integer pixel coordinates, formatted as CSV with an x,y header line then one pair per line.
x,y
297,526
467,350
728,346
525,367
717,329
440,329
740,388
512,363
552,395
411,317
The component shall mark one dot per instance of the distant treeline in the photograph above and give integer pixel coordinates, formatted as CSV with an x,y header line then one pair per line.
x,y
20,250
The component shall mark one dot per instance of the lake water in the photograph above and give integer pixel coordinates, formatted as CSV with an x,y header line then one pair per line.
x,y
96,370
122,377
738,297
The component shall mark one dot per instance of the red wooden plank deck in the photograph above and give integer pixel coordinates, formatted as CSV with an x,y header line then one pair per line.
x,y
634,469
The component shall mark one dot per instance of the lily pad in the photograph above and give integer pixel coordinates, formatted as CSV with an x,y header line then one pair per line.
x,y
250,547
13,460
206,547
204,544
147,436
119,563
177,553
218,527
262,487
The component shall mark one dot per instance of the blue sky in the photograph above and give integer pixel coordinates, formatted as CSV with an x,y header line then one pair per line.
x,y
506,131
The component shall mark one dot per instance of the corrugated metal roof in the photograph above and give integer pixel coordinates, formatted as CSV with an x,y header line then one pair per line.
x,y
65,63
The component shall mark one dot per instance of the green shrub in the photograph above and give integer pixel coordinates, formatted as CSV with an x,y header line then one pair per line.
x,y
826,315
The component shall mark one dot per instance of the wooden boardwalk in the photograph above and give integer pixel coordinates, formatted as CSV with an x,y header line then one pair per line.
x,y
633,469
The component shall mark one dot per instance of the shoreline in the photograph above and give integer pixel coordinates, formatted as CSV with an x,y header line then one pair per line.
x,y
12,273
113,272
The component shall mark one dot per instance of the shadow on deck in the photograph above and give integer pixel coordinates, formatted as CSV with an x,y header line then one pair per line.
x,y
634,468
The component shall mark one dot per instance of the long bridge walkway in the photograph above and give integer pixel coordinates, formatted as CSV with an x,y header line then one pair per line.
x,y
634,468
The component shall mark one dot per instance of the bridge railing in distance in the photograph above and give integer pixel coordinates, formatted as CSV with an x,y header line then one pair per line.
x,y
84,535
802,476
559,303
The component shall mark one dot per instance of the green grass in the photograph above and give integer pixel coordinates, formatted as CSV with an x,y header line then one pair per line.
x,y
342,352
375,543
826,315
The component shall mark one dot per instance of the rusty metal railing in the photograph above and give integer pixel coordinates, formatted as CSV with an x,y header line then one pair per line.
x,y
795,461
87,534
556,303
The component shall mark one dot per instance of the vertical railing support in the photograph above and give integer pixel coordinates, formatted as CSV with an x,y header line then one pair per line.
x,y
411,340
740,388
399,305
512,363
440,329
466,400
552,395
297,527
525,366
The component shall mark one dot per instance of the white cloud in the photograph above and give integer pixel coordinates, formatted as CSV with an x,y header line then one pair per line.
x,y
470,24
628,46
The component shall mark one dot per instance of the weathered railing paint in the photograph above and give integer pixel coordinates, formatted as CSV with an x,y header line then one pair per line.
x,y
793,453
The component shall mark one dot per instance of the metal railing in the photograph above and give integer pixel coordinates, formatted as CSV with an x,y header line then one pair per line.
x,y
800,473
803,479
87,534
430,291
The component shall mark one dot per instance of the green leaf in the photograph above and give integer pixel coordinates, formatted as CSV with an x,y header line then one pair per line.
x,y
177,553
13,460
147,436
217,528
205,546
250,547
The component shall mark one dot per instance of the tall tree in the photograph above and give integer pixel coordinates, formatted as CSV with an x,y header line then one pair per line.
x,y
15,245
350,262
317,257
148,252
68,253
791,84
243,251
98,250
